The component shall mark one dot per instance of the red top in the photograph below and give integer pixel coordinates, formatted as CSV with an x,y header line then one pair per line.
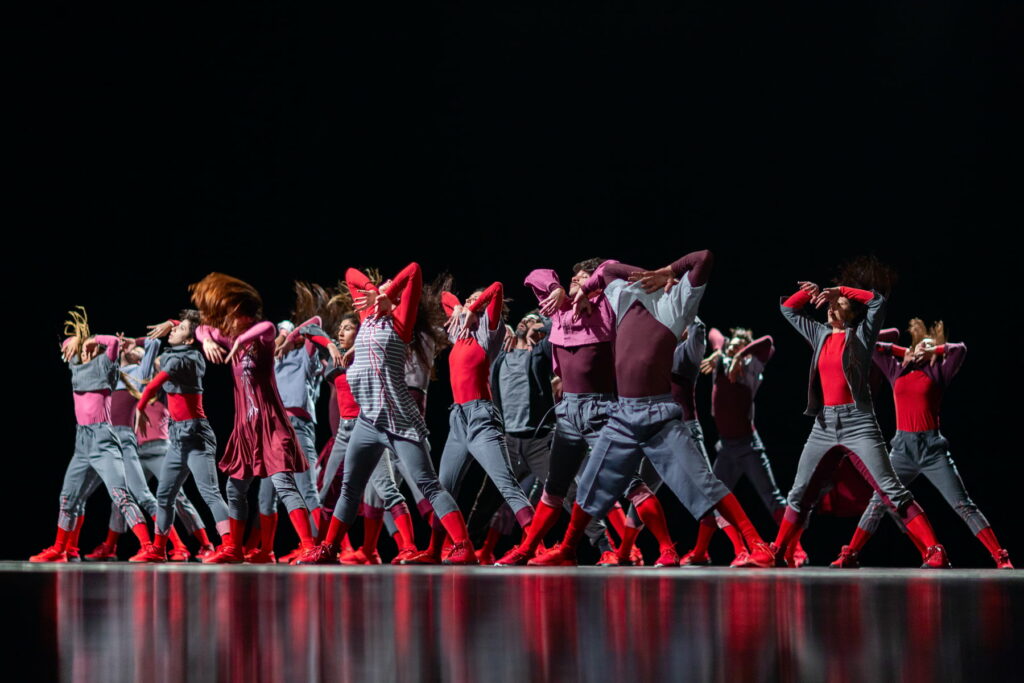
x,y
918,398
181,406
347,406
468,365
407,287
834,387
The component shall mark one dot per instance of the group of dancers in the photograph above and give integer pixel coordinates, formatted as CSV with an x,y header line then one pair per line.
x,y
586,406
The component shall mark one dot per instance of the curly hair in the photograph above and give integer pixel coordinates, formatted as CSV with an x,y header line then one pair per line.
x,y
587,265
918,331
222,300
865,272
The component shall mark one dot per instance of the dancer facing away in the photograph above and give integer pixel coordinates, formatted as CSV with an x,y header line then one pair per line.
x,y
839,399
919,376
651,311
263,442
93,364
388,417
192,446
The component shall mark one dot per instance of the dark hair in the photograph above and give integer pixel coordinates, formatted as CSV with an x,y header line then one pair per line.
x,y
430,320
354,317
865,272
588,265
191,316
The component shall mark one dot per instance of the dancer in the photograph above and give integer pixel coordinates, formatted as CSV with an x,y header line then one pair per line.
x,y
191,443
839,400
263,442
920,376
93,364
388,416
651,311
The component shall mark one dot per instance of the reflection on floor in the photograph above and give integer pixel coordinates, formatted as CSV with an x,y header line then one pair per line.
x,y
153,624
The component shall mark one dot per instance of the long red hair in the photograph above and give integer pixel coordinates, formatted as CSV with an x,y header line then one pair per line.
x,y
222,300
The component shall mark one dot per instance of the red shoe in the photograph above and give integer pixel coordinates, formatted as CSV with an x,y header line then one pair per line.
x,y
205,552
461,553
290,557
51,554
636,557
225,554
668,558
517,557
150,553
798,558
422,557
356,556
848,559
404,555
692,559
104,552
558,556
760,555
610,558
319,554
485,557
936,558
179,554
260,557
374,558
73,555
1002,558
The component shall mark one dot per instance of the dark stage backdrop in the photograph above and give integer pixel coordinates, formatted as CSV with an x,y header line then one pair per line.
x,y
275,143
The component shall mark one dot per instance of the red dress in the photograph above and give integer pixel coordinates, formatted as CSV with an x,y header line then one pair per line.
x,y
262,441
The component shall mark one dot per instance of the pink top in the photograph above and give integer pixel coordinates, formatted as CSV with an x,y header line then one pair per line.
x,y
158,420
92,407
595,327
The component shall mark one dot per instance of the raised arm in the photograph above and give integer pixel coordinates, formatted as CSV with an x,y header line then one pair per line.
x,y
151,389
312,332
449,302
762,349
952,357
112,343
206,332
608,272
492,298
696,341
696,265
407,287
356,281
794,310
875,315
151,351
887,360
264,331
717,339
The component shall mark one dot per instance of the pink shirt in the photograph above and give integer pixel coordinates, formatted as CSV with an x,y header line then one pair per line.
x,y
158,420
92,407
595,327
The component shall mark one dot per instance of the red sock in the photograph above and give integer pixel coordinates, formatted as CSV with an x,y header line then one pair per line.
x,y
201,536
73,536
335,531
859,540
268,530
455,525
787,530
544,517
731,509
738,545
112,537
175,539
617,518
300,520
578,522
405,536
141,532
653,517
493,536
316,515
988,539
794,543
237,527
921,532
346,544
437,535
160,542
705,530
62,538
628,541
371,534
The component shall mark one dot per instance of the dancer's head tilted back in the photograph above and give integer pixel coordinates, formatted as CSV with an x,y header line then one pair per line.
x,y
226,303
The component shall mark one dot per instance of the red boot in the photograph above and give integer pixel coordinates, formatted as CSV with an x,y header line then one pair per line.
x,y
1002,559
936,558
560,555
848,559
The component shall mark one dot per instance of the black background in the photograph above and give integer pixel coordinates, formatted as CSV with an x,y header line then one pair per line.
x,y
151,146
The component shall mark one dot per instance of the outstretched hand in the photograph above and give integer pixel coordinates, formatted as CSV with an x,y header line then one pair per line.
x,y
581,305
366,298
708,365
234,350
653,280
350,355
735,369
829,295
336,355
160,329
213,351
283,345
552,302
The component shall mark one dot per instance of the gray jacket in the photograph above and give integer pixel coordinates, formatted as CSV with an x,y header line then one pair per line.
x,y
857,353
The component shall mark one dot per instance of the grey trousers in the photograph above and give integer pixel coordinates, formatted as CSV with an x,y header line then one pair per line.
x,y
366,445
305,430
97,457
382,480
735,458
151,457
191,448
926,453
529,457
650,427
475,431
648,476
382,492
579,419
134,477
840,432
284,482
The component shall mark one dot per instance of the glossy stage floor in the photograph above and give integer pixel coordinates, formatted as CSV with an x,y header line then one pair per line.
x,y
118,622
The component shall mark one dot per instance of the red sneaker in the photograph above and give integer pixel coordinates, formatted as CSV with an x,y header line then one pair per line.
x,y
935,558
760,555
356,556
1002,558
848,559
610,558
319,554
290,557
404,555
462,553
205,552
516,557
260,557
668,558
636,557
104,552
225,554
150,553
798,558
51,554
692,559
422,557
179,554
558,556
73,555
485,557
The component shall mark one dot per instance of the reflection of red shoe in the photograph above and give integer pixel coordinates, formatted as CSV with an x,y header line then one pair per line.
x,y
422,557
179,554
1002,558
319,554
205,552
935,558
461,553
692,559
225,554
51,554
610,558
847,559
558,556
290,557
104,552
516,557
260,557
404,555
668,558
150,553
